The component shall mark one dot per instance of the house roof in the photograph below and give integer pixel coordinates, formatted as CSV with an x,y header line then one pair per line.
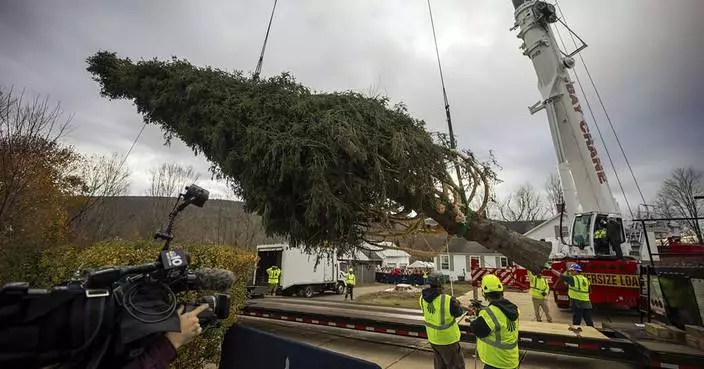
x,y
462,246
392,253
361,255
521,226
542,224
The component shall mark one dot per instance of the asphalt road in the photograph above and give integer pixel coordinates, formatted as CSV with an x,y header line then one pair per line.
x,y
394,352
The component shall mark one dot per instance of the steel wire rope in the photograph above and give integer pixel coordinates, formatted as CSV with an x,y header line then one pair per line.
x,y
453,143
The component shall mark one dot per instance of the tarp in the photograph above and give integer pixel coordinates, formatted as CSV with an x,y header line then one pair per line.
x,y
248,348
421,264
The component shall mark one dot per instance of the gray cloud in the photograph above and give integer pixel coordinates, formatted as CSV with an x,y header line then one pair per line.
x,y
645,57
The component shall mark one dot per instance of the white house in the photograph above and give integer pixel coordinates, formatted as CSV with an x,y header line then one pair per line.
x,y
394,258
390,256
549,232
463,255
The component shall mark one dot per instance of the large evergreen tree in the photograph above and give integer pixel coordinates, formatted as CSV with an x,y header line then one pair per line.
x,y
335,168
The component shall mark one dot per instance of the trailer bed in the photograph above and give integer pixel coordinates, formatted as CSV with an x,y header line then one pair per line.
x,y
542,337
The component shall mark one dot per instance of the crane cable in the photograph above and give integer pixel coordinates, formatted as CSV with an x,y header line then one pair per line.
x,y
258,68
608,117
453,143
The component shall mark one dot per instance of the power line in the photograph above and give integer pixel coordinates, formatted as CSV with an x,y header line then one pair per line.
x,y
258,69
596,124
603,107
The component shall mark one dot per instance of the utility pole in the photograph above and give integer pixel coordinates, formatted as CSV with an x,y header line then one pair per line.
x,y
697,228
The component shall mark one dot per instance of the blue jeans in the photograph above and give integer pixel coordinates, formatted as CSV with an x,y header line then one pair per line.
x,y
579,313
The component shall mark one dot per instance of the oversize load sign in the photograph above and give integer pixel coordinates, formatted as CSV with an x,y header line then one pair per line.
x,y
613,280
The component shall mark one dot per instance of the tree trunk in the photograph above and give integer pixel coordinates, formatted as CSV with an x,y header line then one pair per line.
x,y
526,252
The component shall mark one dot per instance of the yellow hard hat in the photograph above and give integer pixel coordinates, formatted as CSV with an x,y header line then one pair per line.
x,y
491,283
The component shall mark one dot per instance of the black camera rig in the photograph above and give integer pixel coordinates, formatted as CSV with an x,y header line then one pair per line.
x,y
105,317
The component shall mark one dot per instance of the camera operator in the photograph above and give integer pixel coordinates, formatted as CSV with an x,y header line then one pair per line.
x,y
163,351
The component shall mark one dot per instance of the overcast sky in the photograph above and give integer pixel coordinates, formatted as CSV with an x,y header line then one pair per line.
x,y
646,57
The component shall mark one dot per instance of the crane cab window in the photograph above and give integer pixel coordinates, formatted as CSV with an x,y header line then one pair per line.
x,y
581,234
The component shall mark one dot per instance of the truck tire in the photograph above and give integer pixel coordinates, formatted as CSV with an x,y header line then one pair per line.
x,y
307,292
340,288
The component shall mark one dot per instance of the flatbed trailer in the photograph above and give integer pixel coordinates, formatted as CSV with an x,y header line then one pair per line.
x,y
621,343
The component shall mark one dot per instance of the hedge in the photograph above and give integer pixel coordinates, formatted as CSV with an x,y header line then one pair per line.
x,y
56,265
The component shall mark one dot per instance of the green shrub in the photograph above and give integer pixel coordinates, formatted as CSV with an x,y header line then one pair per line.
x,y
57,265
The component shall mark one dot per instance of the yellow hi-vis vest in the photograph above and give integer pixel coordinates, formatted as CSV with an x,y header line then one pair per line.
x,y
538,285
500,348
600,233
351,279
273,275
440,325
580,290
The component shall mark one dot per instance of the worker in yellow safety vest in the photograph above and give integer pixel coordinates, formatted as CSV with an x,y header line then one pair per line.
x,y
579,288
601,245
439,313
425,277
274,273
539,291
350,281
496,327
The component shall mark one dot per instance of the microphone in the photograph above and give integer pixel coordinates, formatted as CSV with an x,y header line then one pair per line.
x,y
213,279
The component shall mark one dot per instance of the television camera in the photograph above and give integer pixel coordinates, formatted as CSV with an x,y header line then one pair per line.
x,y
106,317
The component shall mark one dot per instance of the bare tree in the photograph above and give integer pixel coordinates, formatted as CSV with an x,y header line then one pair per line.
x,y
100,178
525,203
167,180
676,197
170,178
555,196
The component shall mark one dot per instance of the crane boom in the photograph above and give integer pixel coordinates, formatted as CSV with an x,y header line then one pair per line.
x,y
588,199
574,145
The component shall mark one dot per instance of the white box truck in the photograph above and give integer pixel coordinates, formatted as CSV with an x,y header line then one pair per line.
x,y
299,273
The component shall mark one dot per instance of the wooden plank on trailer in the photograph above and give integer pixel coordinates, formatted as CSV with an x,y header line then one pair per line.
x,y
560,329
555,329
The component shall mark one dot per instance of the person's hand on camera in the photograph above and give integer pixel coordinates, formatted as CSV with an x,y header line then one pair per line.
x,y
190,327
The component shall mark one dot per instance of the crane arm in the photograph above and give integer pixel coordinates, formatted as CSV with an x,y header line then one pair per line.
x,y
581,170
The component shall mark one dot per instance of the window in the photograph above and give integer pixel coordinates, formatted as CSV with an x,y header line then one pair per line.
x,y
565,232
393,265
503,262
475,262
581,235
444,262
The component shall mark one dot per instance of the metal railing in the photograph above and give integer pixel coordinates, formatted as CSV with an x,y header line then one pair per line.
x,y
682,314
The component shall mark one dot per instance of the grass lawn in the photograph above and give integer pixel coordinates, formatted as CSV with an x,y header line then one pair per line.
x,y
405,299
